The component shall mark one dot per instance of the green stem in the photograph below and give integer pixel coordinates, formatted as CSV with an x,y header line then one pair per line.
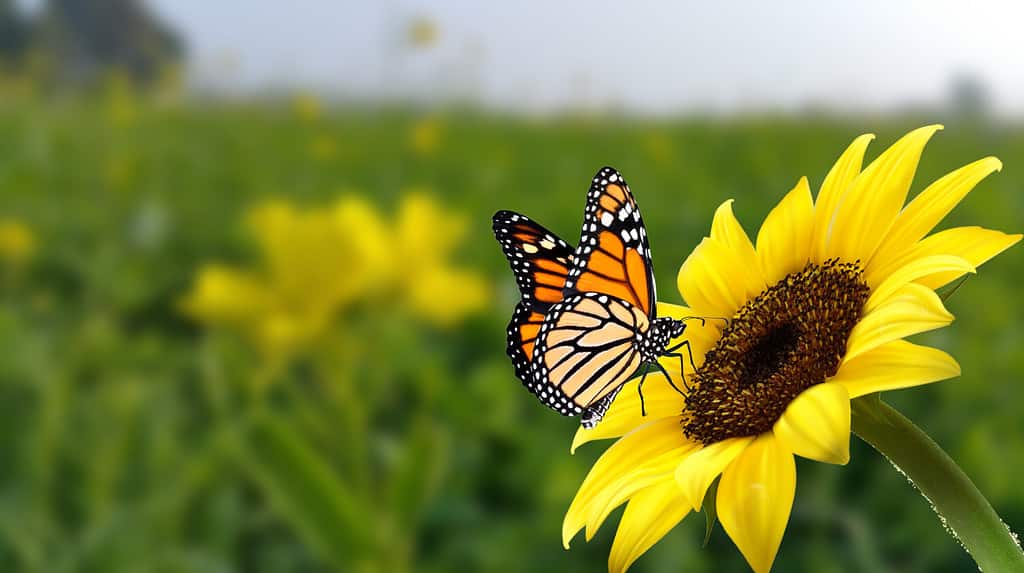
x,y
962,508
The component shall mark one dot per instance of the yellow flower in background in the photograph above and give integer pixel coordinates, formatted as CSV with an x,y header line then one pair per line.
x,y
318,262
659,148
423,33
307,107
819,309
323,147
425,238
425,136
315,262
122,106
119,173
17,243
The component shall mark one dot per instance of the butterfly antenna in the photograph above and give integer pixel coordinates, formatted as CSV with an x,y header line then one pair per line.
x,y
700,318
703,319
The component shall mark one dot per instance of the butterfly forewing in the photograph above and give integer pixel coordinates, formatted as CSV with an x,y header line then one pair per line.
x,y
540,260
613,256
586,349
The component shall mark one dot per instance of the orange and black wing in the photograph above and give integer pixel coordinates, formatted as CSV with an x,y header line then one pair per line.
x,y
584,352
521,340
613,257
540,260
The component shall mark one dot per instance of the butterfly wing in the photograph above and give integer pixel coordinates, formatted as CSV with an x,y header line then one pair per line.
x,y
540,262
539,259
522,338
613,257
585,350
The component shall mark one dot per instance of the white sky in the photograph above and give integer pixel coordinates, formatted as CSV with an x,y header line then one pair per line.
x,y
646,56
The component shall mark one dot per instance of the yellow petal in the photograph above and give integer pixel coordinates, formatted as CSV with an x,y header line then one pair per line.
x,y
783,243
875,197
910,310
647,441
712,280
225,295
657,469
897,364
921,215
974,244
649,515
816,425
696,471
755,497
726,229
914,270
838,180
624,415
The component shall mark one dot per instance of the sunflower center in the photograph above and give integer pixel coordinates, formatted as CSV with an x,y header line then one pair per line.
x,y
787,339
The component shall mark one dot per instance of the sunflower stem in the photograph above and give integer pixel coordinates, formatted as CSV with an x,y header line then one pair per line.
x,y
964,511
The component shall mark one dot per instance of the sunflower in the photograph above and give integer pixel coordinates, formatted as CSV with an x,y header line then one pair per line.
x,y
818,310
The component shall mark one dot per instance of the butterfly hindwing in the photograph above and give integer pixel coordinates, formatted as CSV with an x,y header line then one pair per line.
x,y
540,260
521,340
613,256
586,349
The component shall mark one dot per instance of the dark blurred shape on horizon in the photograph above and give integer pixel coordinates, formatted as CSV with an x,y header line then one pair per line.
x,y
81,41
969,98
13,31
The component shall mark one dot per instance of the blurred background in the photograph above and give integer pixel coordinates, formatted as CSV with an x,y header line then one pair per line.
x,y
252,316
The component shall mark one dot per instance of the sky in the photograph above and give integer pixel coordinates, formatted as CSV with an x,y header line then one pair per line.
x,y
645,56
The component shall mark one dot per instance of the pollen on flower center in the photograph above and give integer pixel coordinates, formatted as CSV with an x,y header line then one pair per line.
x,y
787,339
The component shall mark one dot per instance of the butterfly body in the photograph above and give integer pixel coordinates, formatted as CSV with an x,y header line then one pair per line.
x,y
587,320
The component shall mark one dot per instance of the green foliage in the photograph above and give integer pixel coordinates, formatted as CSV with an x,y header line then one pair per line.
x,y
134,439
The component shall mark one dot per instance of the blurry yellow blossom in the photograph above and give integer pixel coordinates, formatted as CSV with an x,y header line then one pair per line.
x,y
17,243
425,238
307,107
120,99
119,172
225,295
316,263
660,149
423,33
323,147
425,135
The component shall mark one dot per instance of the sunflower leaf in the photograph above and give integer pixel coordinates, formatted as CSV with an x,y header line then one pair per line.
x,y
710,511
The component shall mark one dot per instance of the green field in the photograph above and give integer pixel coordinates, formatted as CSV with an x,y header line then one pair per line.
x,y
387,436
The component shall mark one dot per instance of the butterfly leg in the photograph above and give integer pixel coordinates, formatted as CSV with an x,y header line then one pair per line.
x,y
640,390
682,371
669,377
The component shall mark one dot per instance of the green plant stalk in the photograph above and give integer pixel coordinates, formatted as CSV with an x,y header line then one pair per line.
x,y
954,497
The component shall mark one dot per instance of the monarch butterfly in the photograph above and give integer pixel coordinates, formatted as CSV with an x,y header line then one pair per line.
x,y
587,319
